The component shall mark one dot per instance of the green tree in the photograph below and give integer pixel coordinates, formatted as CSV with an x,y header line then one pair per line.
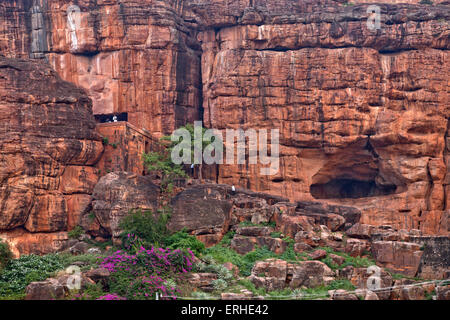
x,y
162,162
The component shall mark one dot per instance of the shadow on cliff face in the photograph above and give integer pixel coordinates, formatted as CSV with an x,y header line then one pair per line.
x,y
356,172
350,188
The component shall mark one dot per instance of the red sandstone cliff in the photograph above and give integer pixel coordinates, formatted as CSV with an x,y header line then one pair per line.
x,y
47,148
363,114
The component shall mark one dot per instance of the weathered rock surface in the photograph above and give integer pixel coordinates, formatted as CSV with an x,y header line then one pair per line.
x,y
137,57
119,193
274,274
435,261
47,152
360,123
363,114
400,257
202,281
210,210
49,289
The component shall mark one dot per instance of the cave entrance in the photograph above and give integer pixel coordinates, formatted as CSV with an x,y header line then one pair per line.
x,y
350,189
355,172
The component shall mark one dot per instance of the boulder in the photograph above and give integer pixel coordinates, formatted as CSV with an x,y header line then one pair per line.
x,y
117,194
365,278
356,247
318,254
337,259
202,281
310,274
49,289
79,248
400,257
99,275
443,292
243,245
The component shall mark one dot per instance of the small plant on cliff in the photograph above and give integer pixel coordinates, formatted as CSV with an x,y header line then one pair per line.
x,y
161,162
426,2
76,232
5,254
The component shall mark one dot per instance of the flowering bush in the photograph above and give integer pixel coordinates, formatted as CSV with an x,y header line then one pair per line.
x,y
147,287
157,260
111,297
139,276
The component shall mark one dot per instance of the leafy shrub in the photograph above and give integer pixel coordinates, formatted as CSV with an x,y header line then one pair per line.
x,y
161,162
222,272
90,292
5,254
150,228
276,234
146,288
244,263
182,240
76,232
226,240
219,284
21,272
341,284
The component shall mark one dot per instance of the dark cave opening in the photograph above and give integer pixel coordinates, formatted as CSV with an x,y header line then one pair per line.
x,y
350,189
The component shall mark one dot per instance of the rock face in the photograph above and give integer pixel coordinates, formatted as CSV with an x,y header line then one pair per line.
x,y
137,57
401,257
118,193
363,113
209,210
47,152
274,274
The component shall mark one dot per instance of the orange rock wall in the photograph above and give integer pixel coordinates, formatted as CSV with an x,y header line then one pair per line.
x,y
125,147
363,114
134,56
368,108
48,148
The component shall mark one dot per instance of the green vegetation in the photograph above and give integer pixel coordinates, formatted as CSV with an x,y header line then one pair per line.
x,y
276,234
5,254
149,228
20,272
357,262
222,253
76,232
182,240
161,162
426,2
